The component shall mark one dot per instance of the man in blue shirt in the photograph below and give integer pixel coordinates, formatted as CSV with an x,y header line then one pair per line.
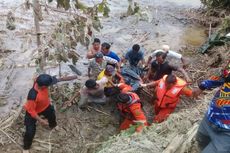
x,y
105,49
135,55
213,135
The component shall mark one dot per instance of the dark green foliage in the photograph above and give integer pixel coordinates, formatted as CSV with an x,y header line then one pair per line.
x,y
63,3
79,5
215,40
217,3
101,7
225,26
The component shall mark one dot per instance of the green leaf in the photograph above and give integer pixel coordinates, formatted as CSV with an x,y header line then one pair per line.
x,y
64,4
100,8
80,6
106,11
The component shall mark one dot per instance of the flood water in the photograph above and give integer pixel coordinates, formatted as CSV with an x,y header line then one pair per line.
x,y
194,35
160,20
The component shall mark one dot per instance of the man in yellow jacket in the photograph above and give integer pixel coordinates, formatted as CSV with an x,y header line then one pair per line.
x,y
106,77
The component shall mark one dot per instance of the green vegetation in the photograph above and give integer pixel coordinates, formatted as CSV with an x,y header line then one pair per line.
x,y
225,4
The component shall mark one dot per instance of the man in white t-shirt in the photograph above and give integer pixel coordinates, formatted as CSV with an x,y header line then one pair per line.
x,y
170,53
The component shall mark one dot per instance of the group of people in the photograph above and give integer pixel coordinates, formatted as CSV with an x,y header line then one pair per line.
x,y
106,85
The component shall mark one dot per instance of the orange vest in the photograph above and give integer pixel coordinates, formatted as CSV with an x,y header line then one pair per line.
x,y
124,87
124,108
169,98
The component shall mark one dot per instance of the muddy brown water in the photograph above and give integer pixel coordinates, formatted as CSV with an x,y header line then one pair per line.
x,y
159,23
194,35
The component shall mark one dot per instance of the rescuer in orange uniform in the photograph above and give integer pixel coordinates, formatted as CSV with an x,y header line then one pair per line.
x,y
38,103
129,105
168,91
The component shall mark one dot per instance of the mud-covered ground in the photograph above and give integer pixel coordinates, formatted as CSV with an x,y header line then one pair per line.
x,y
162,22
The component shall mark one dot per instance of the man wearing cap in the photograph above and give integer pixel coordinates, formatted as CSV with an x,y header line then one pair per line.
x,y
38,103
106,78
130,108
213,135
98,64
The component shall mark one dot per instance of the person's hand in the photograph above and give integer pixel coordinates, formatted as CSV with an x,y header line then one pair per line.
x,y
196,92
189,81
119,70
143,85
44,122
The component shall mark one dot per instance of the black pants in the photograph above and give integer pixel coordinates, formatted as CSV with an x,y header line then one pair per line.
x,y
30,123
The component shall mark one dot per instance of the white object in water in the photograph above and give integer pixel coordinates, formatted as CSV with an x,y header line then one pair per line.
x,y
228,35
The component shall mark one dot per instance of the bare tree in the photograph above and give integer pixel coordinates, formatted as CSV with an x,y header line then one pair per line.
x,y
37,18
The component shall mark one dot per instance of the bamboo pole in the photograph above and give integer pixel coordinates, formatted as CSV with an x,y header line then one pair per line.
x,y
37,18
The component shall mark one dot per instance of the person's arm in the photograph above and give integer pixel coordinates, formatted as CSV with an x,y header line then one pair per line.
x,y
183,61
67,78
125,58
112,61
210,84
149,60
142,60
153,84
118,63
195,92
185,74
207,84
143,63
147,76
42,121
30,108
177,56
118,66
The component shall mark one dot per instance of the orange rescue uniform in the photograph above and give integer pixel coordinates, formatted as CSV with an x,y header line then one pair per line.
x,y
168,99
38,100
132,113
